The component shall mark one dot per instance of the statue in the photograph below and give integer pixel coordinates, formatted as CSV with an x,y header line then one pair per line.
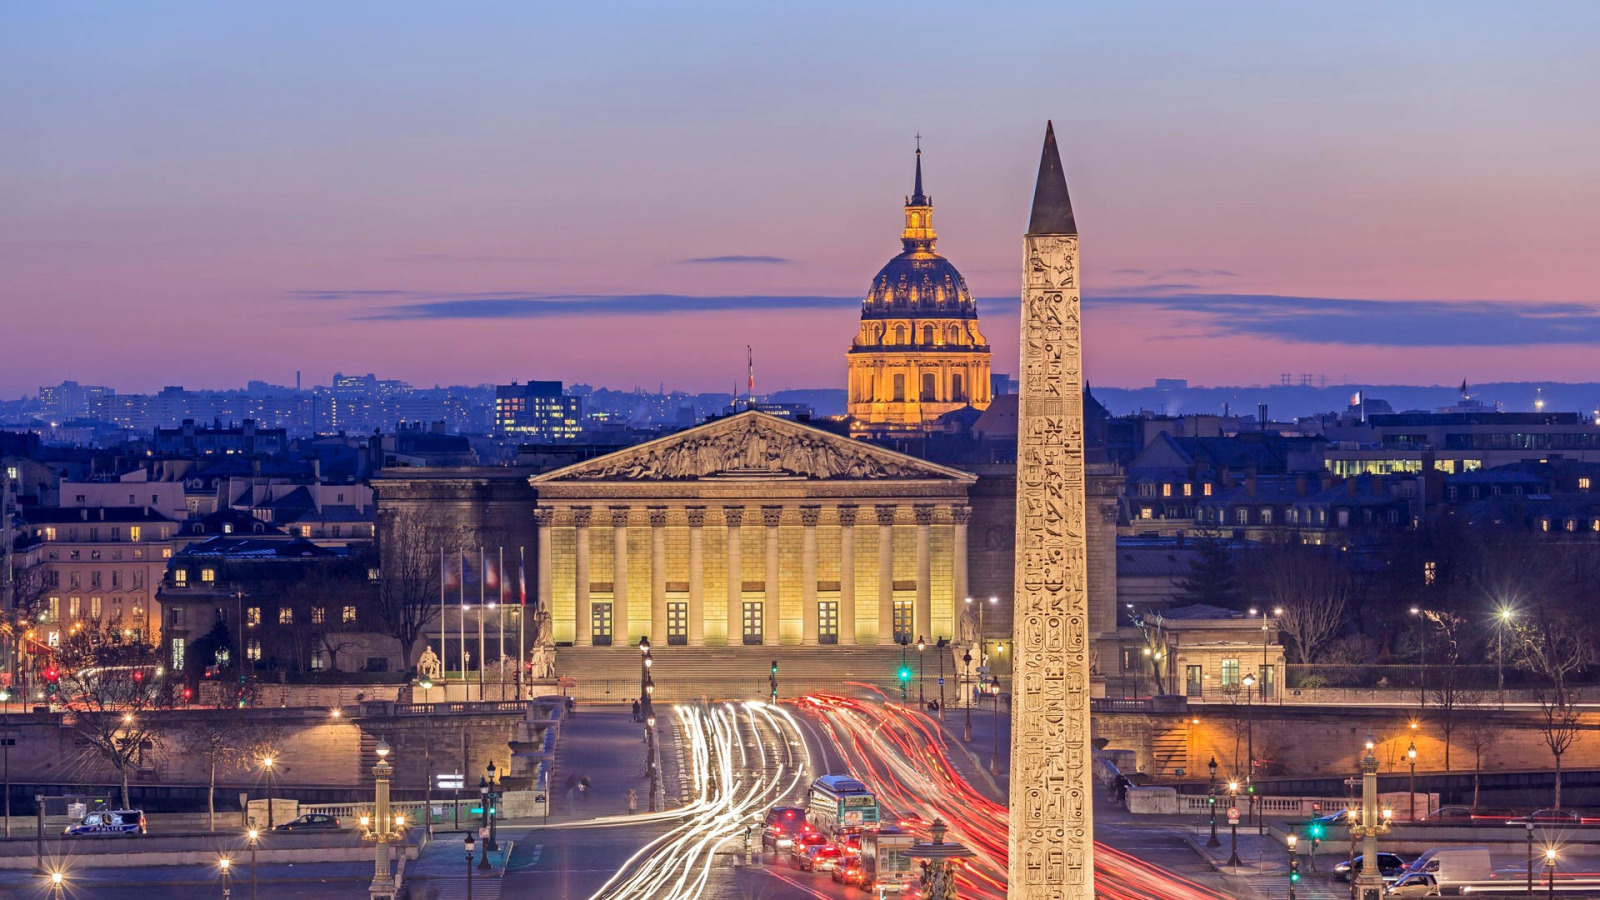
x,y
543,629
968,634
938,880
544,663
429,666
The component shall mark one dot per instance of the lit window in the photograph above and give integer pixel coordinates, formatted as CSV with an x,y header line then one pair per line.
x,y
180,577
50,534
305,531
94,608
227,528
252,615
1230,673
318,614
208,575
177,653
1188,490
72,607
349,615
1166,490
1208,489
285,615
252,650
135,533
1146,512
166,552
1430,571
1583,484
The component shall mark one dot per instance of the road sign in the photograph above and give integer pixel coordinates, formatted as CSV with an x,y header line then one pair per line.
x,y
1316,807
451,781
983,670
1233,814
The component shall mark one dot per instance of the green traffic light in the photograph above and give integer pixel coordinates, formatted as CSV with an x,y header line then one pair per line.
x,y
905,674
1294,877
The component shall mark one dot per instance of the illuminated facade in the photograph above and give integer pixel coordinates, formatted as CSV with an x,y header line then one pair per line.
x,y
537,411
919,353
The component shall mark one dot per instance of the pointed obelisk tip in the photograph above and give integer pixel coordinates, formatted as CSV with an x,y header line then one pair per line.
x,y
1052,207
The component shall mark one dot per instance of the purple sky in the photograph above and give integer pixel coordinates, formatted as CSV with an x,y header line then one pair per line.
x,y
629,194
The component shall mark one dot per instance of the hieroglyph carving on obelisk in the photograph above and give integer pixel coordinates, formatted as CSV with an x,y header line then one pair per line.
x,y
1052,827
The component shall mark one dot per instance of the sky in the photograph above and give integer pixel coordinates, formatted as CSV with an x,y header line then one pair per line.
x,y
629,194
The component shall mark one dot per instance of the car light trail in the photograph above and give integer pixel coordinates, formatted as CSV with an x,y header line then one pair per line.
x,y
904,758
744,758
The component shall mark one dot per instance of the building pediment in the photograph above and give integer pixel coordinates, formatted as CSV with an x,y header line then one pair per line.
x,y
753,444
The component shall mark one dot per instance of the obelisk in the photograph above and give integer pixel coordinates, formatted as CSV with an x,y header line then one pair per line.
x,y
1052,825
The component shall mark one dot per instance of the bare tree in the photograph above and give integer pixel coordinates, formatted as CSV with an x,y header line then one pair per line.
x,y
1313,586
1442,632
1552,645
230,737
1479,734
410,545
1157,650
113,695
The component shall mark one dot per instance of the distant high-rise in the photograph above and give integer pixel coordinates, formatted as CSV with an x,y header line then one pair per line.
x,y
919,353
537,411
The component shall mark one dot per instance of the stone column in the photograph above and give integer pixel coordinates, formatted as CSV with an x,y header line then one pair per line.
x,y
697,559
847,576
583,634
958,573
544,519
886,513
619,576
734,516
658,576
808,572
922,624
1052,823
771,516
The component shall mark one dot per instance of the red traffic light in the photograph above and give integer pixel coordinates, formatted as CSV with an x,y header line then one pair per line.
x,y
51,674
188,694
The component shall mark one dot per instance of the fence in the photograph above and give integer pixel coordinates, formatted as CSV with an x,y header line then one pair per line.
x,y
445,810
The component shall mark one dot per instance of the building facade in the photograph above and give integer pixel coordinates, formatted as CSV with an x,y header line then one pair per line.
x,y
919,353
537,412
752,531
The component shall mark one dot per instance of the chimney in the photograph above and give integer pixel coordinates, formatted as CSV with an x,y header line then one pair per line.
x,y
1180,540
1327,480
1261,416
1250,481
1300,485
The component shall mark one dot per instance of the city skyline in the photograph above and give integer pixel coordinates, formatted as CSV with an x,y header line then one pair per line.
x,y
243,198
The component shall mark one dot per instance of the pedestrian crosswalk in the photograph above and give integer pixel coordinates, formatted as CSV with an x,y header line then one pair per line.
x,y
454,889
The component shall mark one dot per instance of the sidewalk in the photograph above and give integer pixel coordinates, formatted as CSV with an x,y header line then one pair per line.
x,y
602,742
971,760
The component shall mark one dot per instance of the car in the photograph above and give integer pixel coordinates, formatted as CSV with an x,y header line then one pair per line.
x,y
108,823
1338,817
1414,884
820,858
802,844
1450,814
1548,817
780,826
847,870
311,822
1389,866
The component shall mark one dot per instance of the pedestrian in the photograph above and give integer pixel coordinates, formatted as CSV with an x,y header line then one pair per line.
x,y
583,788
633,801
636,710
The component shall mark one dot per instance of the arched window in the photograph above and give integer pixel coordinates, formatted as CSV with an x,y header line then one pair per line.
x,y
900,334
927,334
928,384
956,394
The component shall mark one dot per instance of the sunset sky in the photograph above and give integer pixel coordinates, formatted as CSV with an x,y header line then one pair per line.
x,y
626,194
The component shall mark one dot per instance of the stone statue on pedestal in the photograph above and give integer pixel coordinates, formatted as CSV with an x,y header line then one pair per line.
x,y
428,666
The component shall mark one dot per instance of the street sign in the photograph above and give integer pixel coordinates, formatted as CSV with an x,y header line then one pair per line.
x,y
451,781
983,670
1233,814
1316,807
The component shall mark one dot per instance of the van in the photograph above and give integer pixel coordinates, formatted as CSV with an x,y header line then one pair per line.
x,y
1454,866
104,823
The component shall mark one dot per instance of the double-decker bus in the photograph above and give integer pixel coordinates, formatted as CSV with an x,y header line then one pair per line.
x,y
839,805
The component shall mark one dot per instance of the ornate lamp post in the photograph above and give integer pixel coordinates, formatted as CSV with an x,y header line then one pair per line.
x,y
384,827
226,865
469,866
940,648
254,837
1233,824
1502,622
1249,682
938,880
922,669
427,750
5,743
905,641
268,763
1293,843
1211,797
1369,883
1411,757
489,792
966,692
1550,872
650,760
994,760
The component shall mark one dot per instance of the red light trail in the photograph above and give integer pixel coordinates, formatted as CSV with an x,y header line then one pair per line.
x,y
904,757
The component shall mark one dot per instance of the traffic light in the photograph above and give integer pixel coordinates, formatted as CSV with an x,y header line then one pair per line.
x,y
1315,830
773,681
905,673
1212,800
1294,869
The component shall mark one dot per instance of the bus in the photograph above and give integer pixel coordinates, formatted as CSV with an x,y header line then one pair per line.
x,y
886,862
839,805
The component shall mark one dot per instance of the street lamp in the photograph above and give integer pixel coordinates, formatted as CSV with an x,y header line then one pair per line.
x,y
966,691
1373,823
1411,757
940,648
1503,621
226,865
469,865
1233,823
5,742
994,761
267,763
646,683
57,883
922,668
384,827
905,675
1292,841
253,836
1550,871
427,750
650,760
1265,633
1211,798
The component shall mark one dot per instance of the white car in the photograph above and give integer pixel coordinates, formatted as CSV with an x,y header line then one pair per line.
x,y
1416,884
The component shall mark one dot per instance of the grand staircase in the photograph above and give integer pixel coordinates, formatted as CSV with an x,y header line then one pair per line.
x,y
741,673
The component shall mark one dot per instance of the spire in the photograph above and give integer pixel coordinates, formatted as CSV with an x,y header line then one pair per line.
x,y
1052,208
917,198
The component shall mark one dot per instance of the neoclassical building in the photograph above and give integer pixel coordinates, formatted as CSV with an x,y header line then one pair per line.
x,y
919,353
752,530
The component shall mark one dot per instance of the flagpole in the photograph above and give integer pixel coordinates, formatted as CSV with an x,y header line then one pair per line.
x,y
483,597
501,660
463,611
522,616
444,573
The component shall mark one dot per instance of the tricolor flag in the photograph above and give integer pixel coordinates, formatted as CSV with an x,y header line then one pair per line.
x,y
522,577
449,577
466,575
